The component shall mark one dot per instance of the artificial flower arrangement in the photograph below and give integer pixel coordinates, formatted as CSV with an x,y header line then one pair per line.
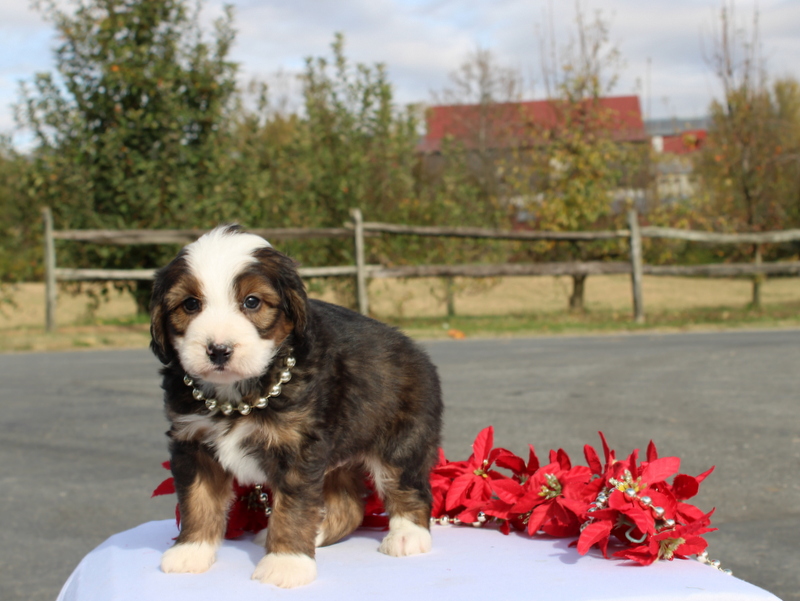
x,y
628,501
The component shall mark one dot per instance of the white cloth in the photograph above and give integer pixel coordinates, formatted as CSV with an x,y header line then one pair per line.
x,y
465,564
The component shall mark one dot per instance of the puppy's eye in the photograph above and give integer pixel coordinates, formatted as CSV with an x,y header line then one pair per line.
x,y
191,305
251,303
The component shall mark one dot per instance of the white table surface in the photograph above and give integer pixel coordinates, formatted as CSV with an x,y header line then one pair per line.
x,y
466,563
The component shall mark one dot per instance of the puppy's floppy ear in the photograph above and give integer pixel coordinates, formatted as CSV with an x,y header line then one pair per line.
x,y
282,271
160,343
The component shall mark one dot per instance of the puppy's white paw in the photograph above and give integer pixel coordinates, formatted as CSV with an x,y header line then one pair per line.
x,y
405,538
286,570
261,538
191,558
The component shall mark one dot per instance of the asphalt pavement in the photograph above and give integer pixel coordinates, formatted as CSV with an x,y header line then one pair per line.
x,y
82,436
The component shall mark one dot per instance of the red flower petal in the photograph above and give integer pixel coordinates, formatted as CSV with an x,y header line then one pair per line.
x,y
607,453
694,546
660,469
642,555
705,474
507,460
167,487
507,490
533,460
685,487
592,459
593,534
563,460
458,490
482,445
538,516
652,452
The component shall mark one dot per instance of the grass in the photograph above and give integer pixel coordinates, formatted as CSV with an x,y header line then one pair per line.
x,y
786,315
510,307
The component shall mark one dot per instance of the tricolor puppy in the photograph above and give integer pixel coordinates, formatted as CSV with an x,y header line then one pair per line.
x,y
305,397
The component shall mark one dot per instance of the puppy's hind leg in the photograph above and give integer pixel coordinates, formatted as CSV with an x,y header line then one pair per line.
x,y
407,498
344,505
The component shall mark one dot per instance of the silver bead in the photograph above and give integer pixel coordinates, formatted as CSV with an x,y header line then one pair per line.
x,y
268,511
456,522
263,498
187,380
432,521
275,390
602,498
211,403
593,509
477,524
703,557
658,512
645,501
286,375
290,362
669,523
481,517
261,403
630,493
444,520
244,408
226,408
727,571
716,563
197,394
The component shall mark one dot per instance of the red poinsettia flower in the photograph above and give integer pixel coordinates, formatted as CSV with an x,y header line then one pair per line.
x,y
628,500
680,542
552,499
471,479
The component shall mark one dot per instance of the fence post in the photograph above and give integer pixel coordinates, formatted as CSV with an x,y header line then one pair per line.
x,y
758,279
50,292
636,265
361,271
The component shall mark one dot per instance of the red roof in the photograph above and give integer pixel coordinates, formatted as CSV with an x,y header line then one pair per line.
x,y
508,122
685,142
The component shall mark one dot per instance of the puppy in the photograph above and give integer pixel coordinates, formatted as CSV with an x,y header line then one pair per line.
x,y
264,385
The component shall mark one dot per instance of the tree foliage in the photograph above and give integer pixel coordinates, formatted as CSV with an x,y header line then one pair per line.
x,y
749,169
568,173
128,130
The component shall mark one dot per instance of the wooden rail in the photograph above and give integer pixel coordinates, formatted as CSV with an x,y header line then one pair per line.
x,y
359,229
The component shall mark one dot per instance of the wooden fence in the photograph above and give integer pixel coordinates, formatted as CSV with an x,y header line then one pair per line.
x,y
359,229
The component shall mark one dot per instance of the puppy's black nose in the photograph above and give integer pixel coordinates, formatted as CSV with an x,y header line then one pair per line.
x,y
219,354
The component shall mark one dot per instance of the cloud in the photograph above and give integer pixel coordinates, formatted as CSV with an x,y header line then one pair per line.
x,y
422,41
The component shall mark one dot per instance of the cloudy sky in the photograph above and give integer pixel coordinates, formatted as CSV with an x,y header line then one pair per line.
x,y
422,41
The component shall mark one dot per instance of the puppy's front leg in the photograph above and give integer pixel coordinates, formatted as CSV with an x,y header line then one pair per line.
x,y
296,518
204,494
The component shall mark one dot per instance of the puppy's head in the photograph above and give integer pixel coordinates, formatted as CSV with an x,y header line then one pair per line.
x,y
224,305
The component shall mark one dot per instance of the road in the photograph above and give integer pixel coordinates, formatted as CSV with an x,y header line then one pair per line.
x,y
82,436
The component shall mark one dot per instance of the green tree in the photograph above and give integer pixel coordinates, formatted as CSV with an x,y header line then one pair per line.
x,y
128,132
574,162
749,168
20,226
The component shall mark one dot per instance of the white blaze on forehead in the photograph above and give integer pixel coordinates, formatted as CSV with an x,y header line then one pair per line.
x,y
218,256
